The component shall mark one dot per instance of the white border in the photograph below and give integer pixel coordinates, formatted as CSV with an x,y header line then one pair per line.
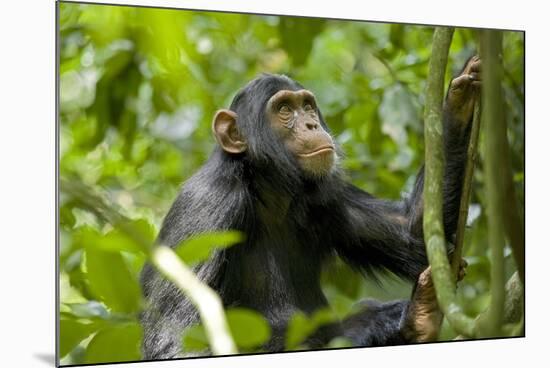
x,y
27,181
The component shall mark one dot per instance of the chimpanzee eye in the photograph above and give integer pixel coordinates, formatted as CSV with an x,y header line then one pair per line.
x,y
308,107
284,109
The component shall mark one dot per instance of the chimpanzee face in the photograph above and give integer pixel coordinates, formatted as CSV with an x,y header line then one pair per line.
x,y
294,118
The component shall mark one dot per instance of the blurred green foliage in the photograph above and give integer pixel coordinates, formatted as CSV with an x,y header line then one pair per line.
x,y
138,89
249,330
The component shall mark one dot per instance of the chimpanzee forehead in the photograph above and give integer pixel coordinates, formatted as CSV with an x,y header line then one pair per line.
x,y
300,95
269,84
255,94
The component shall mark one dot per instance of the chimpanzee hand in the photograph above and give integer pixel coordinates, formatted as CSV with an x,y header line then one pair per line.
x,y
463,92
423,319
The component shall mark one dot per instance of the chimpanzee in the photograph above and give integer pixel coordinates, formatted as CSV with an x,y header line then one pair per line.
x,y
274,175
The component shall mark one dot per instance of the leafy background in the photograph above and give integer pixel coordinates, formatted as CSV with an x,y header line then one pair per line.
x,y
138,89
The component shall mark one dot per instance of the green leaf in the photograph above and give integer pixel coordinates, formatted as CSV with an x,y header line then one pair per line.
x,y
115,344
111,281
322,317
91,309
68,293
194,339
72,332
116,241
199,248
145,229
66,217
301,326
298,329
340,303
348,281
299,47
119,238
249,328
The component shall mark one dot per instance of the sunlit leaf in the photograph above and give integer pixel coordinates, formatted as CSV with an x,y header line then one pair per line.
x,y
298,329
249,328
73,332
194,339
111,281
68,293
115,344
200,247
116,241
90,309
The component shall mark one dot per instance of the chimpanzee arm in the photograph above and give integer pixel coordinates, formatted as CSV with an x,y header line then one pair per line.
x,y
398,322
389,234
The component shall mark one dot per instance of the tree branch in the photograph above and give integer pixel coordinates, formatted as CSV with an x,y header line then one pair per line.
x,y
495,144
433,188
513,306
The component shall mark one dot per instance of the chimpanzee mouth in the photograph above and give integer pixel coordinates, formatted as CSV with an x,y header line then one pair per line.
x,y
318,151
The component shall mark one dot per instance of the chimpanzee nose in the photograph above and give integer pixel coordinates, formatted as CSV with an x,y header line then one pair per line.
x,y
312,125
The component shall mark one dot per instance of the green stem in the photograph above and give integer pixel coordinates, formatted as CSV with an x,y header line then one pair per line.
x,y
495,145
513,307
433,186
207,302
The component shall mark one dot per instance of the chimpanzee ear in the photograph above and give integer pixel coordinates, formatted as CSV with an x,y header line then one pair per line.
x,y
225,130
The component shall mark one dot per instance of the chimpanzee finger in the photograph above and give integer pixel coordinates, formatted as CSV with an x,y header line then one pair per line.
x,y
474,76
462,269
476,66
461,274
460,82
425,277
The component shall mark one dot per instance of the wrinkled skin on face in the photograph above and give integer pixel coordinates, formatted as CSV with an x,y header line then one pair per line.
x,y
294,118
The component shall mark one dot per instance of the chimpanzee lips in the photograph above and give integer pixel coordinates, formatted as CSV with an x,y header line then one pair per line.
x,y
320,150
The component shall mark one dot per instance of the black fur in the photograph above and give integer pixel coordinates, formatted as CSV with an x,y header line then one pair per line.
x,y
292,225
